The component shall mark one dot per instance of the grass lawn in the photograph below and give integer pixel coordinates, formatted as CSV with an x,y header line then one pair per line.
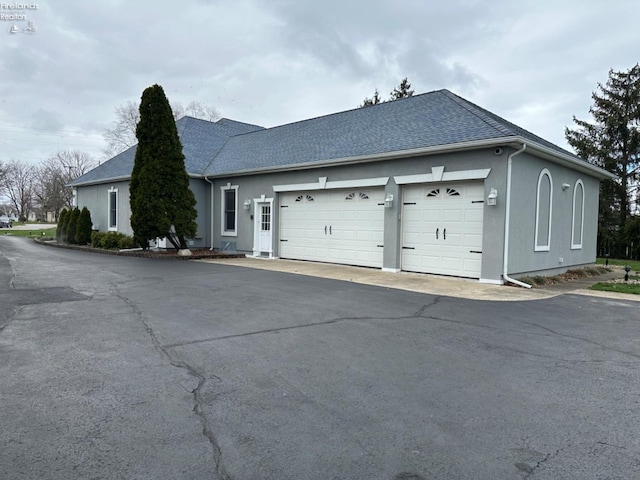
x,y
48,232
633,288
634,264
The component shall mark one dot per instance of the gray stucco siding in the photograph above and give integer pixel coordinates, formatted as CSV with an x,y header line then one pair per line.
x,y
253,186
96,199
523,259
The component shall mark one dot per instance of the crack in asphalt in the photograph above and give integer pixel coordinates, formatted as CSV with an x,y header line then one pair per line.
x,y
418,314
586,340
532,469
196,392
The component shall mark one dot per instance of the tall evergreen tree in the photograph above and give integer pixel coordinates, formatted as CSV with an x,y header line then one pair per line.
x,y
162,205
83,227
402,91
612,141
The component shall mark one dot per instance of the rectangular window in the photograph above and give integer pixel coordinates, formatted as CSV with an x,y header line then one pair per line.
x,y
113,209
229,211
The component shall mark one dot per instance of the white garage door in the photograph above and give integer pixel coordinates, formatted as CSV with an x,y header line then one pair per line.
x,y
442,228
337,226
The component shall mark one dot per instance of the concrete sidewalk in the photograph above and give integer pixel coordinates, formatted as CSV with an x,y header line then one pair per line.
x,y
424,283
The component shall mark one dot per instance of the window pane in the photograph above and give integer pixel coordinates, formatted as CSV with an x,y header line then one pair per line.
x,y
230,210
577,214
544,211
113,209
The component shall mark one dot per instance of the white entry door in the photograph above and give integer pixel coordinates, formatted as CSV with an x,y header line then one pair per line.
x,y
262,241
442,228
336,226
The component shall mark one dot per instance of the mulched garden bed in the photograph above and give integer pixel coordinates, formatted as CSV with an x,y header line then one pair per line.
x,y
196,254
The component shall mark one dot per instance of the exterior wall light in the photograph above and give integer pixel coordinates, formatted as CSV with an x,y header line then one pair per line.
x,y
565,186
492,198
388,200
247,205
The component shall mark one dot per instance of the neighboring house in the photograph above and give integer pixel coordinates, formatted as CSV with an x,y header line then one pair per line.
x,y
430,183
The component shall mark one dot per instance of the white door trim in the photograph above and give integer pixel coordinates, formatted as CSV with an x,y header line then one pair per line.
x,y
439,175
257,220
323,184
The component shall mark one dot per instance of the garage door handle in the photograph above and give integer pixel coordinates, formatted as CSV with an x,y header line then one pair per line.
x,y
444,234
437,230
408,248
329,229
475,251
325,229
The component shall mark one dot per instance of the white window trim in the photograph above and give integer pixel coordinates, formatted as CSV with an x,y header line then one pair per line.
x,y
547,247
112,228
574,245
223,190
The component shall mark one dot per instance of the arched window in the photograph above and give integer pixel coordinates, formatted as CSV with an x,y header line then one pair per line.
x,y
577,221
544,207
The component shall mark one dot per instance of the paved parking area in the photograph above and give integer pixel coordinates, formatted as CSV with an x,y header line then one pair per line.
x,y
115,367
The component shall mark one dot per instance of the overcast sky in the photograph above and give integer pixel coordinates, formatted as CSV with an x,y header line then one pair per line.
x,y
271,62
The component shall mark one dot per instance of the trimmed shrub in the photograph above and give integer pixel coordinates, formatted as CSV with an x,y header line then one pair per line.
x,y
112,240
62,225
83,229
72,225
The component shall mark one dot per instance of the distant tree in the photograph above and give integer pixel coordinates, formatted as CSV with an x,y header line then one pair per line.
x,y
122,134
612,142
53,176
18,184
83,228
402,91
61,235
72,225
374,100
162,205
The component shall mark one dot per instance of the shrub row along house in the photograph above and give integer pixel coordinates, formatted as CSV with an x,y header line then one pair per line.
x,y
430,183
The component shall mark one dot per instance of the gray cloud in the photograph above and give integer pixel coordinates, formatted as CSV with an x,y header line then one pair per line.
x,y
535,62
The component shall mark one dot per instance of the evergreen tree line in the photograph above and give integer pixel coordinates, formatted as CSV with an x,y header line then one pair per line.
x,y
74,226
612,141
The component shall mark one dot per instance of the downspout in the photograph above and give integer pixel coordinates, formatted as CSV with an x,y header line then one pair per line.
x,y
211,232
507,221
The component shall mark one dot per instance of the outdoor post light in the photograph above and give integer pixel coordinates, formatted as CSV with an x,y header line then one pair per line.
x,y
627,269
492,198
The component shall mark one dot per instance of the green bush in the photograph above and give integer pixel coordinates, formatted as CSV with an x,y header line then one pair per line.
x,y
112,240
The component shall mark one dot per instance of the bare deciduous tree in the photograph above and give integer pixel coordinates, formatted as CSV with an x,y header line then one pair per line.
x,y
122,134
54,174
18,184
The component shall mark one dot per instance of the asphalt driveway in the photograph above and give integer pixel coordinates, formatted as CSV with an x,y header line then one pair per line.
x,y
134,368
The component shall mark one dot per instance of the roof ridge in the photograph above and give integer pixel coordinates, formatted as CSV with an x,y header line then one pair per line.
x,y
480,112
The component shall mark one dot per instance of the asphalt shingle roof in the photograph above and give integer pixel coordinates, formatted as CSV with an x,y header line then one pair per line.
x,y
432,119
201,140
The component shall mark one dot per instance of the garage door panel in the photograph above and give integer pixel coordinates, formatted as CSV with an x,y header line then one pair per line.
x,y
354,221
456,208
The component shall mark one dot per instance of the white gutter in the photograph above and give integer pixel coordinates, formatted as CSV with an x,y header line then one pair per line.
x,y
507,218
211,233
